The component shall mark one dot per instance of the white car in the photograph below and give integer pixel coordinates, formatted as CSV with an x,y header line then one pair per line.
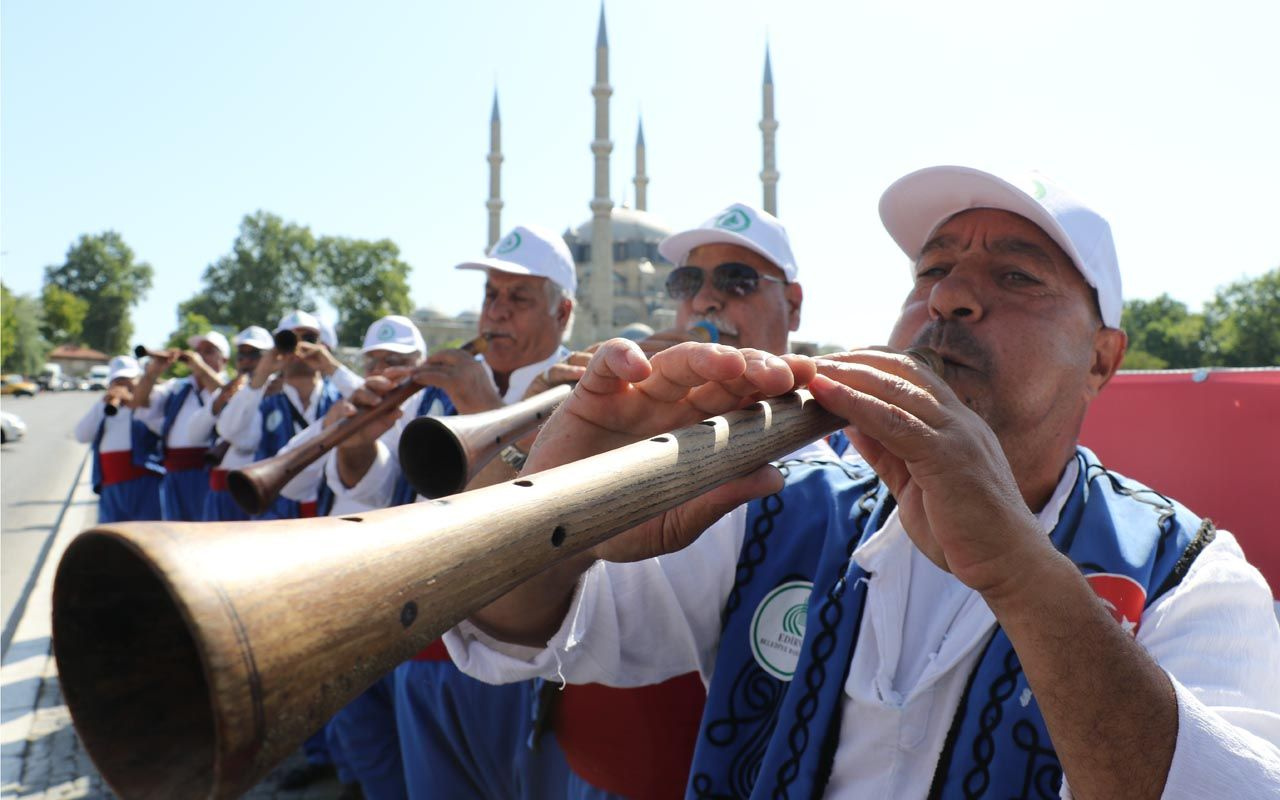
x,y
12,427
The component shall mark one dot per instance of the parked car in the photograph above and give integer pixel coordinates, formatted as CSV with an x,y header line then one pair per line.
x,y
98,376
12,427
18,385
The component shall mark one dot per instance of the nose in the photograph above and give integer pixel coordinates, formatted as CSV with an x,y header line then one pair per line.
x,y
707,300
956,297
497,309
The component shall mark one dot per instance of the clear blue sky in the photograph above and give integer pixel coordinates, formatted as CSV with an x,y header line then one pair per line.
x,y
169,121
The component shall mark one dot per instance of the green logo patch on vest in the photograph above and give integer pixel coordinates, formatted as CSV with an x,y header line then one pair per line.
x,y
734,220
509,243
777,628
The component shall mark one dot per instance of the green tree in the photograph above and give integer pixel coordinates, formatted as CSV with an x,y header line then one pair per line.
x,y
8,323
64,315
1244,323
364,281
1163,334
189,324
24,349
101,271
270,270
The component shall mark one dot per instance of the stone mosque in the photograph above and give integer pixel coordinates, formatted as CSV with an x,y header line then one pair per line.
x,y
621,275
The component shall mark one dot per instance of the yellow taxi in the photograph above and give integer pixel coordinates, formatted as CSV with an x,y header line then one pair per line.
x,y
18,385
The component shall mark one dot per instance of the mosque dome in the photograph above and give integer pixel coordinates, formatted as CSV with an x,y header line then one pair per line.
x,y
630,225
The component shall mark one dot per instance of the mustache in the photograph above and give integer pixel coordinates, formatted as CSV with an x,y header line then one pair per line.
x,y
954,341
721,324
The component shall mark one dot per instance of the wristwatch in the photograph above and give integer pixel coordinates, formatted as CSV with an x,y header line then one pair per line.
x,y
514,456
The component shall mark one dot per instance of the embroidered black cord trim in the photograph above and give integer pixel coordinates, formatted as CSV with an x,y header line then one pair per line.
x,y
1206,534
984,749
754,549
754,700
948,749
1044,779
822,646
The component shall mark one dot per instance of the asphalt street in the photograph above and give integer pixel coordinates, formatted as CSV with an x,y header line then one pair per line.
x,y
36,477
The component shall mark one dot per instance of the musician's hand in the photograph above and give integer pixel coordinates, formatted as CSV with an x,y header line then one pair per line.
x,y
316,356
661,340
271,362
118,393
461,376
570,370
160,361
956,493
370,395
228,391
336,413
624,397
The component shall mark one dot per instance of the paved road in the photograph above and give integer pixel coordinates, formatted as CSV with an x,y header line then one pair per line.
x,y
36,476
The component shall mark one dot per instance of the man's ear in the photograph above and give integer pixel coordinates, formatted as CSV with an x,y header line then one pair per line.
x,y
563,311
795,297
1109,345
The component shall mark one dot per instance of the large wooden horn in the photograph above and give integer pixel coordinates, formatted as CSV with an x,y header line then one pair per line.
x,y
440,455
195,656
255,486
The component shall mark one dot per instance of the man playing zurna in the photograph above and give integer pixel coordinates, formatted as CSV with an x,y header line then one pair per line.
x,y
126,455
168,410
526,315
262,421
224,456
979,607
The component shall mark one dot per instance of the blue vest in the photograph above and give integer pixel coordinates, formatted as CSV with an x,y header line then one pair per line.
x,y
173,404
766,737
435,403
279,426
145,446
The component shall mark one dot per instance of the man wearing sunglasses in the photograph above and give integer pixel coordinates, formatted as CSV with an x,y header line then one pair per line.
x,y
223,456
979,607
735,272
262,417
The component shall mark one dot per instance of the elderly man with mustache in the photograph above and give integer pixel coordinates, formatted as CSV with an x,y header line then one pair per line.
x,y
976,608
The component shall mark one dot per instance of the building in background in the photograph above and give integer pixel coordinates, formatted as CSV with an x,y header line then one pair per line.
x,y
621,276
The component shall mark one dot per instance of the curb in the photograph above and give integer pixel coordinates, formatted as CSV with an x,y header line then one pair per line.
x,y
20,608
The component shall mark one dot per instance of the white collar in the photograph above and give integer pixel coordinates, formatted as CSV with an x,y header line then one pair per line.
x,y
520,378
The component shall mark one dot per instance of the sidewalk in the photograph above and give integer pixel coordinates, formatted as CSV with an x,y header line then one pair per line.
x,y
40,755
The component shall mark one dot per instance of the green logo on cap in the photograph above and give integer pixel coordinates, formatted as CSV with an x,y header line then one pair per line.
x,y
1040,191
386,332
511,242
734,220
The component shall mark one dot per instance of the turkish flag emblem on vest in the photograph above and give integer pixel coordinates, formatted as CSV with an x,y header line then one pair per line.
x,y
1123,596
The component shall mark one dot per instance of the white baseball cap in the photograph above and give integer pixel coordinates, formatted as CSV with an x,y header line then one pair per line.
x,y
328,336
396,334
123,367
298,319
531,250
254,336
916,205
212,337
740,224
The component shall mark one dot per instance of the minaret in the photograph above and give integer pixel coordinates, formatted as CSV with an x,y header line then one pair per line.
x,y
600,288
494,203
641,180
768,127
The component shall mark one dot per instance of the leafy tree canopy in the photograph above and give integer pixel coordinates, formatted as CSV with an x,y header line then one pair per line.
x,y
271,270
365,280
100,270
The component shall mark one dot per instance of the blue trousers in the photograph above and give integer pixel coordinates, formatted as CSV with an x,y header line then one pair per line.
x,y
365,734
282,508
460,737
130,500
182,494
219,507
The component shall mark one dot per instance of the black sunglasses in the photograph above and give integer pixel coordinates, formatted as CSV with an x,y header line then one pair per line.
x,y
731,278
